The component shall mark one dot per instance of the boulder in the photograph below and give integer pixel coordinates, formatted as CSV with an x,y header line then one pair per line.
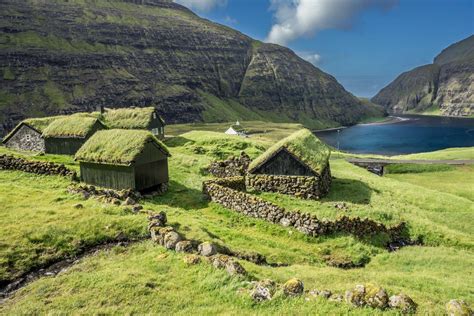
x,y
129,201
356,296
234,268
375,297
458,308
402,302
263,290
293,287
220,261
158,234
184,246
207,249
171,239
336,298
192,259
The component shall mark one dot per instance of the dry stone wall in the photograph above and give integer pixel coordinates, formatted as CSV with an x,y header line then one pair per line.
x,y
9,162
247,204
232,167
299,186
25,138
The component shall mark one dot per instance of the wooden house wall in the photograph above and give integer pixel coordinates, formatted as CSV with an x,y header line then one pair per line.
x,y
151,174
283,163
63,146
115,177
157,123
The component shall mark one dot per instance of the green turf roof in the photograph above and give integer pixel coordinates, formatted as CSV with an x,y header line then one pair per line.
x,y
117,146
39,124
129,118
302,144
70,126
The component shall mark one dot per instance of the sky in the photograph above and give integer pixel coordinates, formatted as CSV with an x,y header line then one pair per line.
x,y
365,44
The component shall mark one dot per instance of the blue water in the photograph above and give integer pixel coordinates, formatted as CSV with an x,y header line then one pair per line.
x,y
414,135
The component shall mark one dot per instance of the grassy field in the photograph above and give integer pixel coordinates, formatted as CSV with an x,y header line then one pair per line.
x,y
144,278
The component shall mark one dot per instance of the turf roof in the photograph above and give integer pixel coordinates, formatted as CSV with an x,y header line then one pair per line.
x,y
117,146
70,126
129,118
303,145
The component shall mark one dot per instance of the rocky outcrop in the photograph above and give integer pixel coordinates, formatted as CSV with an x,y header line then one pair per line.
x,y
69,56
444,87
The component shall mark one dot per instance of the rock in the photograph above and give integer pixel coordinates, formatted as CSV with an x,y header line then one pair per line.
x,y
192,259
356,296
158,234
158,217
207,249
129,201
184,246
136,208
263,290
336,298
293,287
458,308
375,297
402,302
234,268
171,239
78,206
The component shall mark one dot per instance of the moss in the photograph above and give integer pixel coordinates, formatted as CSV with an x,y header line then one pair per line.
x,y
304,145
116,146
8,74
71,126
129,118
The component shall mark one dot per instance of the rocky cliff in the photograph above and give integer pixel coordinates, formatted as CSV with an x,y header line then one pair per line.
x,y
61,56
445,87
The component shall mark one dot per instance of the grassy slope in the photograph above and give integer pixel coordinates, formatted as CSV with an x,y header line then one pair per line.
x,y
146,279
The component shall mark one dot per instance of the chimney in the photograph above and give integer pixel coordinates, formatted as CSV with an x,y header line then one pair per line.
x,y
100,109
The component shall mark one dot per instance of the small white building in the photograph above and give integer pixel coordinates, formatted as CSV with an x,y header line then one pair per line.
x,y
236,129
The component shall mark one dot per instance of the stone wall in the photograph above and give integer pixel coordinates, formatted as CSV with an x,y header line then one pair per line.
x,y
232,167
299,186
25,138
8,162
256,207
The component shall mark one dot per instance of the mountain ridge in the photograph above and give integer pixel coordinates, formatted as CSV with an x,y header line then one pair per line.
x,y
445,87
60,57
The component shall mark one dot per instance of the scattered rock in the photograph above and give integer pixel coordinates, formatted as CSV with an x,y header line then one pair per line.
x,y
375,297
402,302
137,208
171,239
234,268
219,261
184,246
78,206
192,259
263,290
356,296
458,308
338,298
207,249
293,287
157,219
129,201
341,206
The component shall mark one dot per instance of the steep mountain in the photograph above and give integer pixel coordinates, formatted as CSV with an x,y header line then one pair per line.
x,y
64,56
445,87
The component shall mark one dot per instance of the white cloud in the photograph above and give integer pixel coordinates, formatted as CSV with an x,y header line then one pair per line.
x,y
202,5
299,18
230,20
313,58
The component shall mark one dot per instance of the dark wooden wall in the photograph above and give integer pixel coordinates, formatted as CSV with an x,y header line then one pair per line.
x,y
114,177
151,174
63,146
284,164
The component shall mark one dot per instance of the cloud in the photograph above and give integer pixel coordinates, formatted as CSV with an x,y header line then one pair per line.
x,y
202,5
313,58
303,18
230,20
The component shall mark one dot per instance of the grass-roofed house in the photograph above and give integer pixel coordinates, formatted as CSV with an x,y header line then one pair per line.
x,y
64,136
136,118
297,165
27,135
124,159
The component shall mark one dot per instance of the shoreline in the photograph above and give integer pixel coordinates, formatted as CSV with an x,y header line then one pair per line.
x,y
387,120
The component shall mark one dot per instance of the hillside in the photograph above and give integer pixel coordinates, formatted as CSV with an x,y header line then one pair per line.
x,y
142,277
68,56
444,87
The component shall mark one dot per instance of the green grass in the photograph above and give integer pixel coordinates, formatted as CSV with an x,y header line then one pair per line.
x,y
415,168
71,126
136,118
116,146
144,278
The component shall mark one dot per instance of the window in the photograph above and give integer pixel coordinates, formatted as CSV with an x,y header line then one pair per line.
x,y
155,131
154,115
27,138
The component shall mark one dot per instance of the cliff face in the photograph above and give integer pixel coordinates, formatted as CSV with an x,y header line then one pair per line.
x,y
67,56
445,87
